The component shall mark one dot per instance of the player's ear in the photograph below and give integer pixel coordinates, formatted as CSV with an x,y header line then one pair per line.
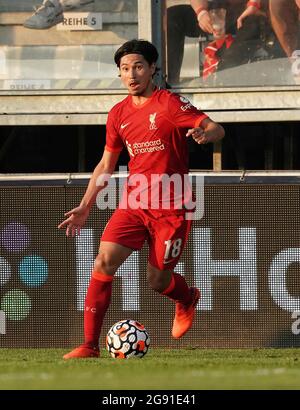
x,y
153,68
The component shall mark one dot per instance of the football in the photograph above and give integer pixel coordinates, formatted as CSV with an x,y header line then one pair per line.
x,y
127,339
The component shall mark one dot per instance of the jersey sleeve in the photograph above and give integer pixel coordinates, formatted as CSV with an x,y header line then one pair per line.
x,y
183,113
114,142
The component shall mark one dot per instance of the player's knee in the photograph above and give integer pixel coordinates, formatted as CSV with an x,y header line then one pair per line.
x,y
104,263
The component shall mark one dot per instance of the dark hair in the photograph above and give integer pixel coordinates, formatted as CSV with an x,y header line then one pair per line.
x,y
143,47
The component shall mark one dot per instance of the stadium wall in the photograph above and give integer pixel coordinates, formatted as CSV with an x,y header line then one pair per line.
x,y
243,254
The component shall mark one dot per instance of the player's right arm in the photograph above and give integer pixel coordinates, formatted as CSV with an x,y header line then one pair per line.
x,y
77,217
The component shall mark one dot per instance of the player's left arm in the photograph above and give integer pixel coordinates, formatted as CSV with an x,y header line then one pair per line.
x,y
209,131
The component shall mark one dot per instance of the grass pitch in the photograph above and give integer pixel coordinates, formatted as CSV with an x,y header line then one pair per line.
x,y
23,369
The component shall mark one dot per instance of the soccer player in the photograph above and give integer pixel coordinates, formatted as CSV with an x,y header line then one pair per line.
x,y
154,125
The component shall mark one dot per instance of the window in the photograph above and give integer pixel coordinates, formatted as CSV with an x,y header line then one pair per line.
x,y
229,57
64,44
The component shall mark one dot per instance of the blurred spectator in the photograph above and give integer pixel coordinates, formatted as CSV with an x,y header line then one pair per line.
x,y
285,21
50,13
285,16
246,21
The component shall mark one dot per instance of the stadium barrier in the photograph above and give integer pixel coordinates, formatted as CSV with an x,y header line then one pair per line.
x,y
244,255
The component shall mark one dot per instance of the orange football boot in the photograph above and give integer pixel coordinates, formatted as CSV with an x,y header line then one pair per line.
x,y
82,352
184,315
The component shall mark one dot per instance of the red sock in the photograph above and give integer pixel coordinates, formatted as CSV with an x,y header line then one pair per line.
x,y
96,304
178,290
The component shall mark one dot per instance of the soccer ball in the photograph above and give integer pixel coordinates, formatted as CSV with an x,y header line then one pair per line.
x,y
126,339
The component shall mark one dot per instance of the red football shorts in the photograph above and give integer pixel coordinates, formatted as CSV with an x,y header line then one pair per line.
x,y
166,234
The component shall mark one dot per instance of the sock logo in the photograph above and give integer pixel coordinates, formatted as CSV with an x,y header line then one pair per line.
x,y
91,309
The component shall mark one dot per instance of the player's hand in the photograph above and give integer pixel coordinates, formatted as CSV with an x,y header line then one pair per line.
x,y
198,135
251,10
76,219
205,22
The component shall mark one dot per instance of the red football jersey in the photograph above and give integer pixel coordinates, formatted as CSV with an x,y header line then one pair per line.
x,y
155,136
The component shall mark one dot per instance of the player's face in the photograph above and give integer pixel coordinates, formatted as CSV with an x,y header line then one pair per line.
x,y
136,74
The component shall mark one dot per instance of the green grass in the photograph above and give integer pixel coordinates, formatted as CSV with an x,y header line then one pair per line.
x,y
160,369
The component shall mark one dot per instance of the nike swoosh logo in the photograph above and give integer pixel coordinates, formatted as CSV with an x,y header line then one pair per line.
x,y
124,125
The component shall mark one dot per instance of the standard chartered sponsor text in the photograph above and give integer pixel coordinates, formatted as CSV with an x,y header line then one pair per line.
x,y
147,146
